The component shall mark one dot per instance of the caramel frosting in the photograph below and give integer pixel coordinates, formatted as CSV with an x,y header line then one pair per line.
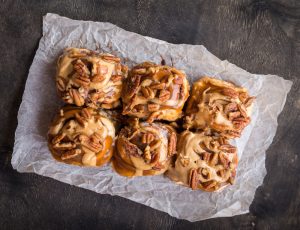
x,y
85,77
155,92
144,149
203,161
218,105
81,136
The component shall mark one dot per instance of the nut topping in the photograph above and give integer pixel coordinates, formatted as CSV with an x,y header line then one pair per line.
x,y
70,154
153,107
164,95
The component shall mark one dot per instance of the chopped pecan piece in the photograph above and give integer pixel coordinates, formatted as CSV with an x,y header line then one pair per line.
x,y
230,92
249,101
153,107
172,144
111,58
116,78
230,107
185,161
233,115
227,148
147,154
98,78
193,179
178,80
58,138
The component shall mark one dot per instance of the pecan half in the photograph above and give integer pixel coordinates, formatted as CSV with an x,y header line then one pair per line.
x,y
158,86
81,68
70,154
178,80
139,70
81,80
86,113
81,120
134,85
164,95
147,92
147,138
77,98
147,154
224,160
227,148
58,138
116,78
242,110
64,146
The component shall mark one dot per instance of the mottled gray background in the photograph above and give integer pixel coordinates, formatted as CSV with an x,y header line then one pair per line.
x,y
260,36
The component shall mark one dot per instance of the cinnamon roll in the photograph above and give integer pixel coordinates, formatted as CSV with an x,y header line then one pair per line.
x,y
204,161
85,77
218,105
155,92
144,149
81,136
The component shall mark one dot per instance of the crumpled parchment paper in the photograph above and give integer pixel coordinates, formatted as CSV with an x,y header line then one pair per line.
x,y
40,103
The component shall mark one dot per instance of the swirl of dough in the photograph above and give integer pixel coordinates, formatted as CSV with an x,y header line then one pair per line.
x,y
144,149
155,92
85,77
220,106
81,136
206,162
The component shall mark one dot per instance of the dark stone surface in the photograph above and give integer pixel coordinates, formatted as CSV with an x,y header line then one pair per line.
x,y
258,35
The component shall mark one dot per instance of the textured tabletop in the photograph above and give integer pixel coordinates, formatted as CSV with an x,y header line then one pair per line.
x,y
260,36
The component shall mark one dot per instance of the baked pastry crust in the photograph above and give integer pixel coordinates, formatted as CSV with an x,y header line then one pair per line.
x,y
144,149
85,77
81,136
204,161
155,92
220,106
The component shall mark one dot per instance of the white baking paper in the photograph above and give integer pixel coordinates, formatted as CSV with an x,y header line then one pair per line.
x,y
40,103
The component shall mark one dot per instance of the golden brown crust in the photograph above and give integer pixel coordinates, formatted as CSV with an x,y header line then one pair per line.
x,y
85,77
144,149
155,92
205,162
220,106
81,136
